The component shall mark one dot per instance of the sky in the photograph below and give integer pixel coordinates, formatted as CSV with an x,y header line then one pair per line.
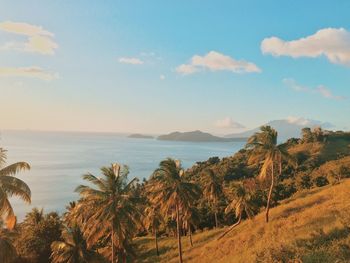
x,y
159,66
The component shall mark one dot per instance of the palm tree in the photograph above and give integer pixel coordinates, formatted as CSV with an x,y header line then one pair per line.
x,y
110,210
34,217
191,218
264,148
73,248
241,202
153,220
212,190
174,194
11,186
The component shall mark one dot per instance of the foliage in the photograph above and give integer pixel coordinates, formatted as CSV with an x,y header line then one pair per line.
x,y
36,234
11,186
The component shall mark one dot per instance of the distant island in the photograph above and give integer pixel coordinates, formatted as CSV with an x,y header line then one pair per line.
x,y
140,136
196,136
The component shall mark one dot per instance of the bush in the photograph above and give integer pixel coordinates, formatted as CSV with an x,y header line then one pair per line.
x,y
321,181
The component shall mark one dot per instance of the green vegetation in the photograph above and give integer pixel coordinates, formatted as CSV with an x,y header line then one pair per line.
x,y
301,184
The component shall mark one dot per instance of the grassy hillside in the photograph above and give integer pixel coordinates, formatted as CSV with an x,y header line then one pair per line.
x,y
312,226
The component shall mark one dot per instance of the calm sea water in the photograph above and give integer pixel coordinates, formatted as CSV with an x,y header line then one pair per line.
x,y
59,159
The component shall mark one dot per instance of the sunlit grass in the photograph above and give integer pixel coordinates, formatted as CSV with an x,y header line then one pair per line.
x,y
310,226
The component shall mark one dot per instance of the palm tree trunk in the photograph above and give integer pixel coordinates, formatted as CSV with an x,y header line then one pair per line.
x,y
178,233
112,239
216,219
231,227
156,240
190,234
270,193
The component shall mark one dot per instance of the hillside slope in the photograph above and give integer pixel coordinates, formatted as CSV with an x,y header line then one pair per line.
x,y
312,226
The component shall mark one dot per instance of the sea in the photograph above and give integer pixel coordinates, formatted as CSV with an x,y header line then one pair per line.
x,y
59,159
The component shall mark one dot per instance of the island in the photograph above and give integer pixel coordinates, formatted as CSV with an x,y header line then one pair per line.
x,y
140,136
196,136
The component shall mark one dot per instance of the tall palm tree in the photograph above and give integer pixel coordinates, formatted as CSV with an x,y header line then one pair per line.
x,y
152,221
264,148
212,190
241,202
11,186
110,210
174,194
73,248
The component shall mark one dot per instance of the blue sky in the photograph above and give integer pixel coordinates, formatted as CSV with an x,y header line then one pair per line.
x,y
160,66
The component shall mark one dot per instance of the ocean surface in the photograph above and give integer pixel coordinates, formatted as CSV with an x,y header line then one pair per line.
x,y
59,159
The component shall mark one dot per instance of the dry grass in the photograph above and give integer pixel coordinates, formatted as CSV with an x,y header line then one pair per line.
x,y
312,226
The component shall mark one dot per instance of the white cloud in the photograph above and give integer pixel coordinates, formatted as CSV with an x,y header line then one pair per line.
x,y
162,77
215,61
133,61
320,89
301,121
38,40
31,72
333,43
228,123
298,120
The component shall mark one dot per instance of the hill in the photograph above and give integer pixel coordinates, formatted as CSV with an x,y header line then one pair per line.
x,y
286,128
196,136
311,226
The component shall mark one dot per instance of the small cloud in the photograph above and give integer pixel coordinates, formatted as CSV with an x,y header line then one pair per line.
x,y
320,89
186,69
301,121
133,61
215,61
162,77
39,40
333,43
228,123
31,72
298,120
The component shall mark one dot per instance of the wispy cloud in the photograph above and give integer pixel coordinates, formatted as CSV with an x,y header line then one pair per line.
x,y
31,72
320,89
129,60
39,40
228,123
333,43
215,61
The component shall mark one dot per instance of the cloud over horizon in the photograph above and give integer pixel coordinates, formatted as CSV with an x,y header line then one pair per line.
x,y
39,40
215,61
301,121
31,72
228,123
321,90
333,43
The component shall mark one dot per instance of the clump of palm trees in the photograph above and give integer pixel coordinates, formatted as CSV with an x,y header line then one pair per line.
x,y
108,212
169,188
